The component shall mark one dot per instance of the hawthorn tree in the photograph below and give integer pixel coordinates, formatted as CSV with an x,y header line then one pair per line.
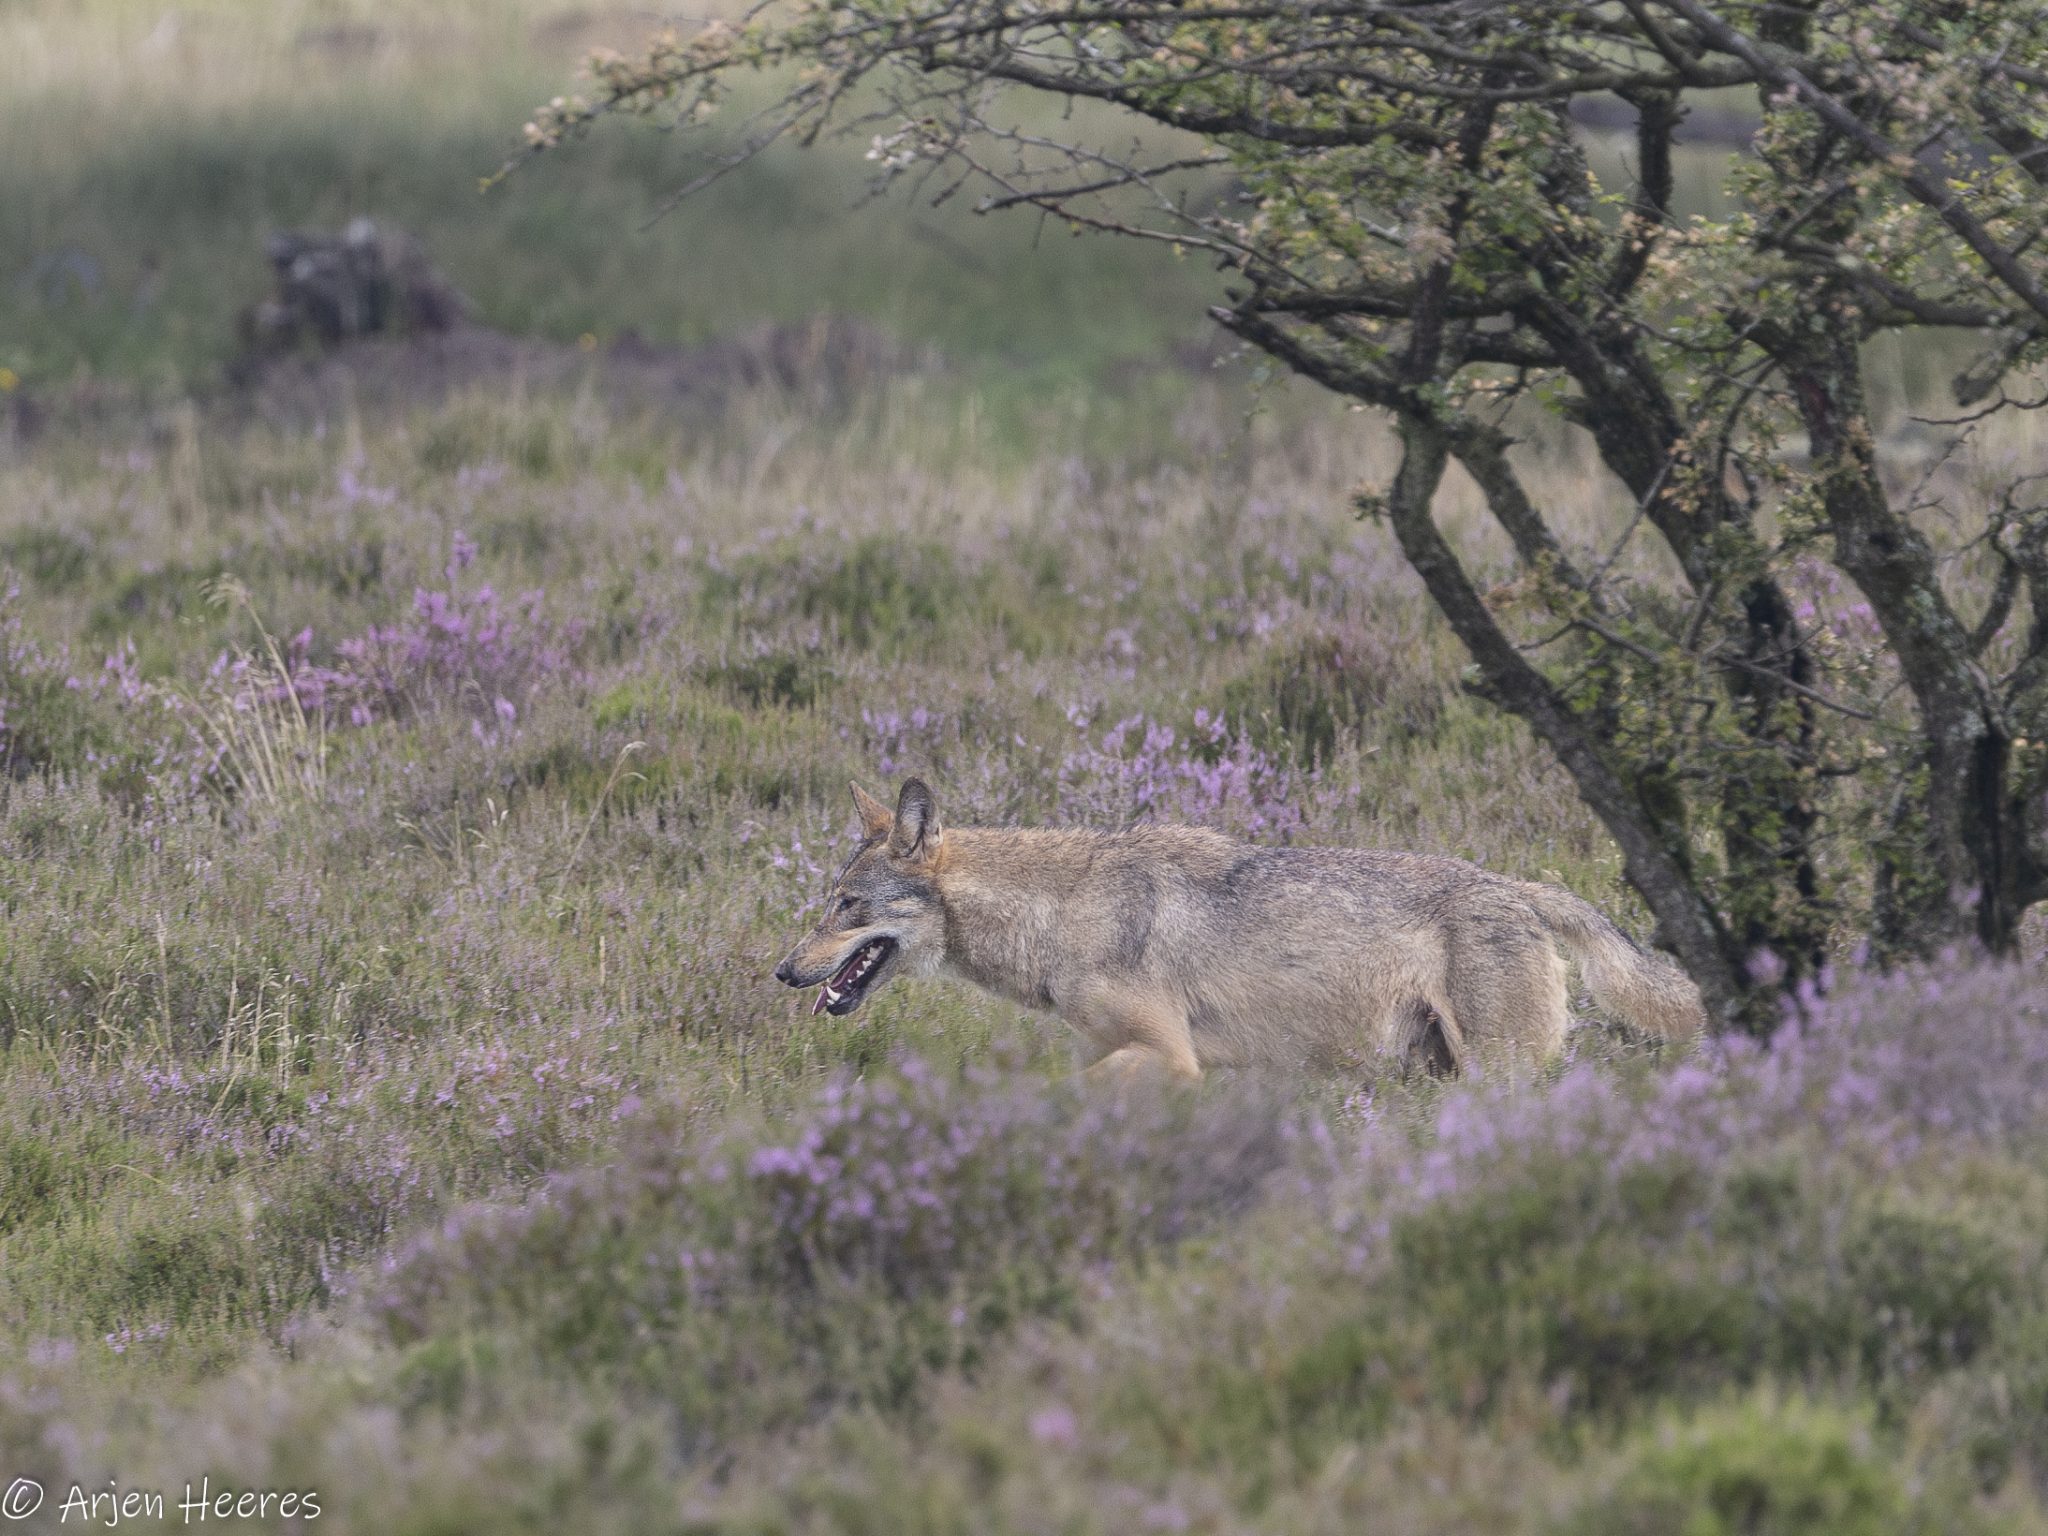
x,y
1407,206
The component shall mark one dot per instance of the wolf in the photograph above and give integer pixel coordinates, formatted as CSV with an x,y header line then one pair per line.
x,y
1180,949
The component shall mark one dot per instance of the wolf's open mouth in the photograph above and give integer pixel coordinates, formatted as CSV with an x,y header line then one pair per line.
x,y
842,994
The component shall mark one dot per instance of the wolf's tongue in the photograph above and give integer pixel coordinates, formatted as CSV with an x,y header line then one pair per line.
x,y
842,978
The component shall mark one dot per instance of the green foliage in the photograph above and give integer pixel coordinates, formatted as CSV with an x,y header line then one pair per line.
x,y
1606,1295
534,439
885,593
32,1178
1323,689
1761,1467
1628,1291
900,1231
880,592
54,559
782,679
1930,1286
44,721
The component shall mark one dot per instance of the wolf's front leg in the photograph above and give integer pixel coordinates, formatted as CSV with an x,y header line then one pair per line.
x,y
1140,1030
1131,1061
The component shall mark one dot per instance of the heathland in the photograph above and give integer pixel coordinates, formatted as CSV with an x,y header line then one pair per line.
x,y
412,775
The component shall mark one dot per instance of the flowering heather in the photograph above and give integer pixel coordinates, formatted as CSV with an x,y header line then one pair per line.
x,y
924,1186
903,741
1141,769
25,670
46,707
1601,1262
1873,1069
142,741
468,649
1871,1075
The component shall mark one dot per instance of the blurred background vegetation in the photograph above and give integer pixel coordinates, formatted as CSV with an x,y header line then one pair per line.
x,y
151,148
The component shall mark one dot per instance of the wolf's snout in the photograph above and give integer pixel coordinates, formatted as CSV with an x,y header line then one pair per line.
x,y
785,975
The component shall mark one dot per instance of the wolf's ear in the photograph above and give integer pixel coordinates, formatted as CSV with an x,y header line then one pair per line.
x,y
917,822
875,817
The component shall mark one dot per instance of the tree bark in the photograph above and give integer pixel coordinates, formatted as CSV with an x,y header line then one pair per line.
x,y
1685,923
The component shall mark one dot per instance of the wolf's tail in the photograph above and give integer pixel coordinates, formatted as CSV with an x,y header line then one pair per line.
x,y
1647,989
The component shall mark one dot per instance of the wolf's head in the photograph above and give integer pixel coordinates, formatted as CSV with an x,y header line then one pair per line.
x,y
884,913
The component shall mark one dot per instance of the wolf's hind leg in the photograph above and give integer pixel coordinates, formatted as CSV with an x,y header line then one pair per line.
x,y
1441,1051
1427,1036
1515,997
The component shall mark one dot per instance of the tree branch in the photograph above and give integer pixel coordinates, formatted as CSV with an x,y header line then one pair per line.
x,y
1657,868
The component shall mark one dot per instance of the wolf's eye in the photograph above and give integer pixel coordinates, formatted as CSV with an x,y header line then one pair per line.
x,y
846,904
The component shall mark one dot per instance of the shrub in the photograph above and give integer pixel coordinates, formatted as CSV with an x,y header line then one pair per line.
x,y
899,1225
46,717
52,558
773,678
1143,770
1763,1466
882,591
470,649
1928,1286
1312,692
877,592
1669,1278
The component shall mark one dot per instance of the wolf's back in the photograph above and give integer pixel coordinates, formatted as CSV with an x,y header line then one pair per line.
x,y
1647,989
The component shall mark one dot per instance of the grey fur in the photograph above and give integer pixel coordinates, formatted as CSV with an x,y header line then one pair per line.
x,y
1181,947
